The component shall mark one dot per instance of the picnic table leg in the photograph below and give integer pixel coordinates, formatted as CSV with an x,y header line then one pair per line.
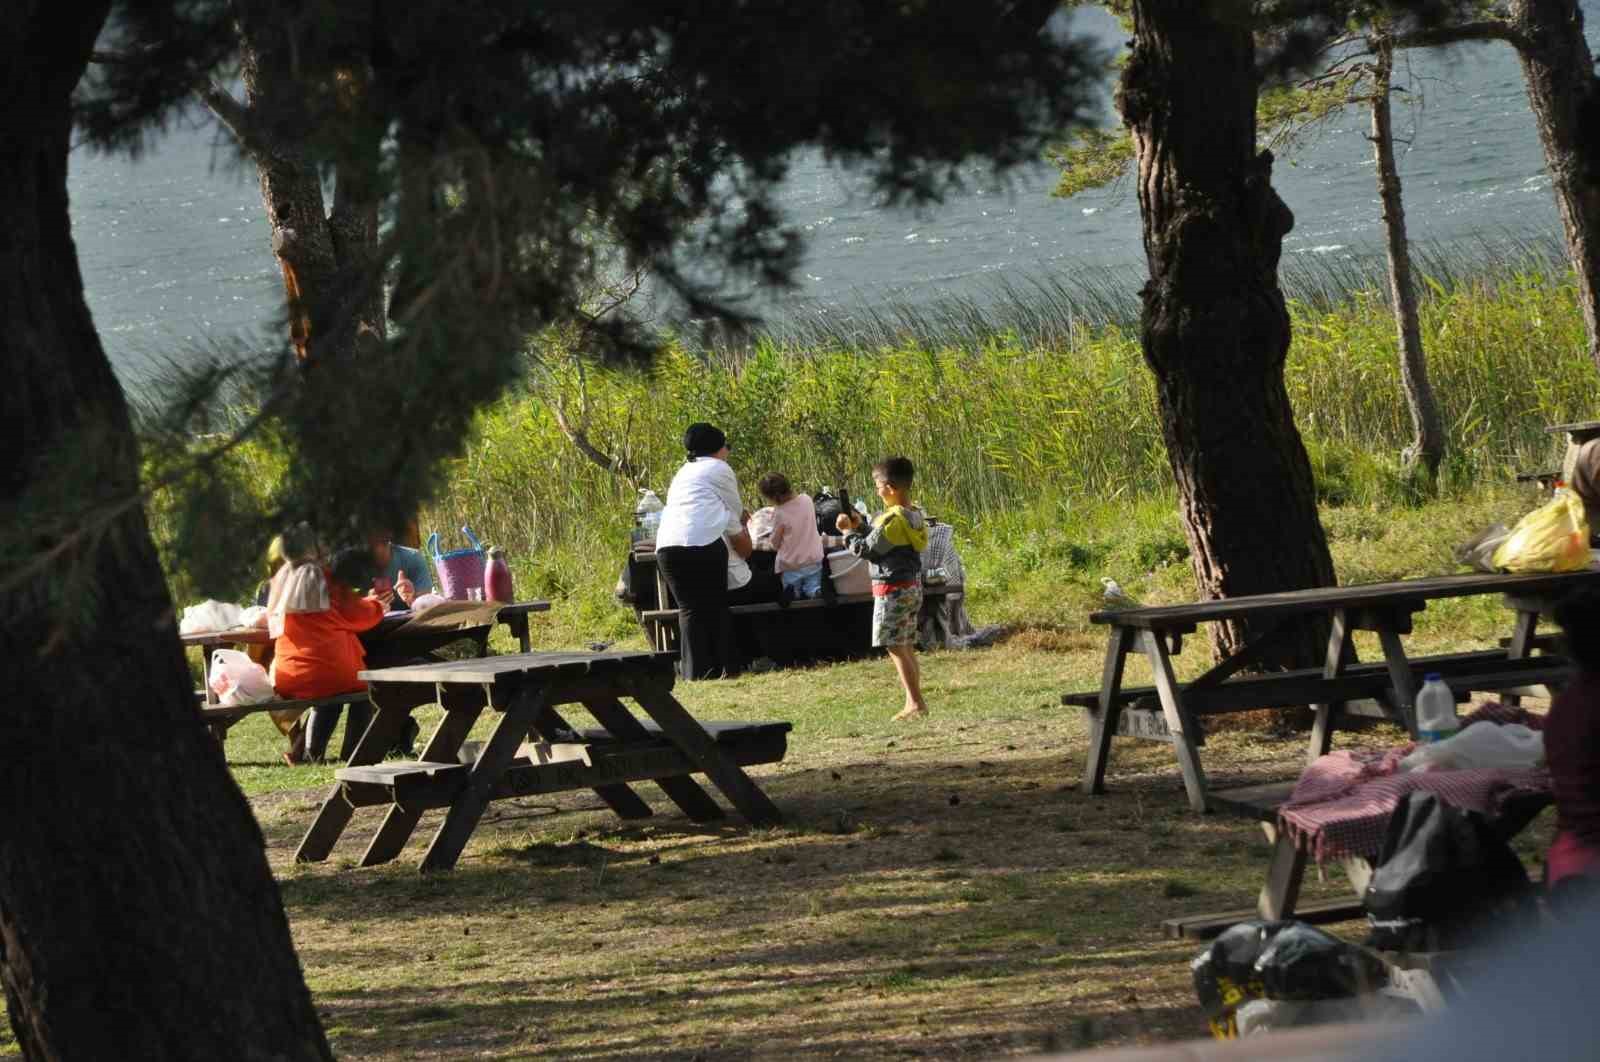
x,y
497,754
1103,722
388,725
518,626
684,731
462,707
1522,631
1194,779
683,791
1340,650
618,796
1400,677
1284,874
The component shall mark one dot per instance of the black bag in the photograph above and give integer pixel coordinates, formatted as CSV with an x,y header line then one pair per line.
x,y
1225,972
1441,875
1304,963
828,507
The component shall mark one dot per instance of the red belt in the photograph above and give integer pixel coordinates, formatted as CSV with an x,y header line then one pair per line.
x,y
885,589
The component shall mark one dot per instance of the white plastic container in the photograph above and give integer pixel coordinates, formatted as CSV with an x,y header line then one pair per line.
x,y
849,572
1436,710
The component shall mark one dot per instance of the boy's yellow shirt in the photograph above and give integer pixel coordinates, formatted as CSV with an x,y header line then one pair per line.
x,y
903,531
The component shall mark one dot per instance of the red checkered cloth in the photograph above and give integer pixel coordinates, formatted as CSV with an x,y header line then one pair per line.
x,y
1341,804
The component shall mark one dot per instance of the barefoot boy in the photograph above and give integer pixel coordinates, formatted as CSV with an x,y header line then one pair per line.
x,y
894,545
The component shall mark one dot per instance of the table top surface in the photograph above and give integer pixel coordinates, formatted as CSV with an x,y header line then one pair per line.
x,y
391,621
491,669
1576,427
1327,598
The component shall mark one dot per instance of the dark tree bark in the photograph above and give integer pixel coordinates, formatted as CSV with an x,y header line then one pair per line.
x,y
1215,329
1427,429
1565,97
138,916
327,257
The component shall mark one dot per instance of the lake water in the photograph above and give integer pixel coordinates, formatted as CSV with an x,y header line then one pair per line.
x,y
176,256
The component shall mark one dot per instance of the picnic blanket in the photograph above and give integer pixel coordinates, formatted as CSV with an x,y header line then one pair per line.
x,y
1341,805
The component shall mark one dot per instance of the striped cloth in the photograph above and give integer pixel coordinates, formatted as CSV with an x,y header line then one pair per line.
x,y
1342,803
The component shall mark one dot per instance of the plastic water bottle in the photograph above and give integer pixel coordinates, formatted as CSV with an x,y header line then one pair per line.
x,y
648,512
1436,710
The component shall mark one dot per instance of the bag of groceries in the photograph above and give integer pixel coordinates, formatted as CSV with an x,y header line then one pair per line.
x,y
1552,538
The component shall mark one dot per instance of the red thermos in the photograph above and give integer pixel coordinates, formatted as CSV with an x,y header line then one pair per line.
x,y
497,577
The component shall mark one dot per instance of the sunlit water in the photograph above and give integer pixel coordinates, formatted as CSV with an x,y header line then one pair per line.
x,y
176,255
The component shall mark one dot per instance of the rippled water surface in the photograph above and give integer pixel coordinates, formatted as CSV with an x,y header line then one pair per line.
x,y
176,256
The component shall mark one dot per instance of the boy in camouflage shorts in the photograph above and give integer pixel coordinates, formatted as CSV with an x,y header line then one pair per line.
x,y
894,546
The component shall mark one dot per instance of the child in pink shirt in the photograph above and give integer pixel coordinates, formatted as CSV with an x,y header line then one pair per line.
x,y
794,536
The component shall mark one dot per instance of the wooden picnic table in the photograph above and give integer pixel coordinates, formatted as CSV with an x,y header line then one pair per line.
x,y
389,632
526,689
1343,686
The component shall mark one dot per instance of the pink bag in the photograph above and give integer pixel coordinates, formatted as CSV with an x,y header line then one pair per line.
x,y
460,570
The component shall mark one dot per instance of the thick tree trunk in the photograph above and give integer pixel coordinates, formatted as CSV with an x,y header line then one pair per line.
x,y
1565,97
1215,328
1427,429
138,916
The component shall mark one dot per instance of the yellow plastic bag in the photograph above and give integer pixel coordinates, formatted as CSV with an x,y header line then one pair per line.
x,y
1552,538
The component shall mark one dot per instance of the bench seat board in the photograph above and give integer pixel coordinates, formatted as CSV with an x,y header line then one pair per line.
x,y
418,786
1483,670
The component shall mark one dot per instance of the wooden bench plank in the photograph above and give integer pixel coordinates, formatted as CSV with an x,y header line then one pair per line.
x,y
1259,802
232,713
1208,926
418,785
1462,672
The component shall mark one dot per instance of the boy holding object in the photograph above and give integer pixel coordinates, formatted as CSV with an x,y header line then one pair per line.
x,y
894,547
794,536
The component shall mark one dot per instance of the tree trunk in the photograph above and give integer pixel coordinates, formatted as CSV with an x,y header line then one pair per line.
x,y
1428,441
1215,329
138,916
328,259
1564,95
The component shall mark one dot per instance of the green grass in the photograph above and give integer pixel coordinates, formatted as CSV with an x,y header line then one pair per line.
x,y
1041,444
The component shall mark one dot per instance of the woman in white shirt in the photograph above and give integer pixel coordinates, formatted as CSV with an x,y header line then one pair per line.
x,y
703,505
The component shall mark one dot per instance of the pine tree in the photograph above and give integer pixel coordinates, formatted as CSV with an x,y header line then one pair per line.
x,y
138,915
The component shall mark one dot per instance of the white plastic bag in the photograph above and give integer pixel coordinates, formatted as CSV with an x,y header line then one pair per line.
x,y
423,602
210,616
236,679
1509,745
254,616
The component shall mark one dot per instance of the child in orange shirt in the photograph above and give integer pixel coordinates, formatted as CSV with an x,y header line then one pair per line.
x,y
319,652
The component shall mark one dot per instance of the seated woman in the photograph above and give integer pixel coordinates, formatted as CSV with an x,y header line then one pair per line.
x,y
316,618
1572,748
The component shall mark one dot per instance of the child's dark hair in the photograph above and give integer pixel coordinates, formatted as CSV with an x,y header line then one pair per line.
x,y
774,486
353,567
896,471
1579,616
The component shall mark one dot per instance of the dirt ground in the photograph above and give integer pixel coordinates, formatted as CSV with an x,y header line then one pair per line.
x,y
939,889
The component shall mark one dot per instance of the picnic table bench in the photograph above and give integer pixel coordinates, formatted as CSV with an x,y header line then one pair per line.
x,y
1343,687
526,690
661,624
391,635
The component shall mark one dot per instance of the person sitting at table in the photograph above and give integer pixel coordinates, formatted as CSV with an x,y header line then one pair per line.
x,y
317,618
752,573
290,722
393,560
1572,749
